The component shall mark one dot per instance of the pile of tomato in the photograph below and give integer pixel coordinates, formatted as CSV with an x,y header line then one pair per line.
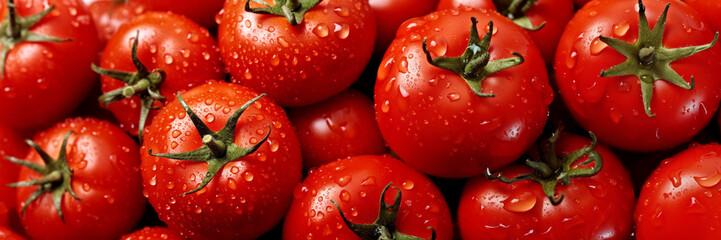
x,y
360,119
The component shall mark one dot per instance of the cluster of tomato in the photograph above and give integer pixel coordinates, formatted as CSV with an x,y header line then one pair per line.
x,y
360,119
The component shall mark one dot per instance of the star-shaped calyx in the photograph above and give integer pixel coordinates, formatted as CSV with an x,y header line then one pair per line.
x,y
516,11
56,176
15,30
551,169
144,83
293,10
384,227
218,148
648,59
474,64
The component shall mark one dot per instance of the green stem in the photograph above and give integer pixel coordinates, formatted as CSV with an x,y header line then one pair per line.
x,y
217,147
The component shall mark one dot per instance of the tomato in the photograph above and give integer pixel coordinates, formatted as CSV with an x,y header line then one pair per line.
x,y
357,186
110,14
680,198
174,53
6,234
596,203
318,54
435,121
544,20
709,10
11,144
203,12
339,127
153,233
95,185
247,183
42,82
390,14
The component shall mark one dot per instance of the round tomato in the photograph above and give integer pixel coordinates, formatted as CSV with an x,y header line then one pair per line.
x,y
94,190
411,203
7,234
173,54
11,144
244,157
644,101
316,54
680,198
151,233
592,201
110,14
544,20
390,14
43,80
709,9
201,11
339,127
444,125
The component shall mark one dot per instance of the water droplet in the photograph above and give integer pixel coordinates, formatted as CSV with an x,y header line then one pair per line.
x,y
362,194
209,118
232,184
495,30
248,176
615,115
370,181
168,59
283,42
437,45
86,187
82,164
675,178
176,133
408,185
153,181
519,203
170,185
343,12
571,60
403,65
43,84
433,208
342,31
247,75
274,146
454,97
173,144
597,46
198,210
321,30
385,107
344,196
343,181
109,199
274,60
621,29
709,181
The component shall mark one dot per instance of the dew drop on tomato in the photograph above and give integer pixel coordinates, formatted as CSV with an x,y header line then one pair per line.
x,y
522,202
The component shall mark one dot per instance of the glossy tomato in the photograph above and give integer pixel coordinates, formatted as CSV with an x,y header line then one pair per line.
x,y
435,121
110,14
42,81
339,127
11,144
680,198
175,54
96,178
639,104
591,207
390,14
544,20
239,181
150,233
201,11
356,185
318,55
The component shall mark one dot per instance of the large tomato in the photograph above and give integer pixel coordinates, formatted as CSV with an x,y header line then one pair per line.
x,y
201,11
43,80
544,19
174,54
596,202
94,190
445,125
680,198
639,102
390,14
339,127
239,180
358,186
313,54
11,145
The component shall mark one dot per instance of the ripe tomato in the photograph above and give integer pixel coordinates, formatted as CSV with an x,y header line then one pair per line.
x,y
664,109
42,82
390,14
297,64
592,206
249,186
709,9
680,198
12,145
339,127
175,54
7,234
201,11
357,185
151,233
95,184
435,121
544,20
110,14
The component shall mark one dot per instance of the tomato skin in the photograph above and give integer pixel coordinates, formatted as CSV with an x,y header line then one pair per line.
x,y
183,49
302,64
339,127
556,14
110,15
248,196
685,189
201,11
7,234
612,107
356,184
153,233
430,117
44,82
709,9
390,14
11,144
106,178
599,207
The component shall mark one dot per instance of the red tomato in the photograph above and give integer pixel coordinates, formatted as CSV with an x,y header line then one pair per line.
x,y
339,127
11,144
249,186
201,11
110,14
390,14
97,177
183,50
297,64
356,185
151,233
550,15
596,207
431,117
626,112
709,9
7,234
42,82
